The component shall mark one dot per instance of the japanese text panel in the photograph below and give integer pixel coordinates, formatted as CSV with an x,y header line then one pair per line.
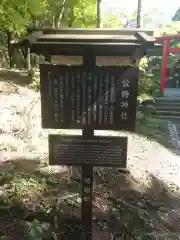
x,y
74,97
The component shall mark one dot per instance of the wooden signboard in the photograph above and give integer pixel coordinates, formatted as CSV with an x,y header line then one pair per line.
x,y
74,97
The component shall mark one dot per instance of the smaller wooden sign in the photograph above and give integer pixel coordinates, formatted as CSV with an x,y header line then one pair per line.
x,y
94,150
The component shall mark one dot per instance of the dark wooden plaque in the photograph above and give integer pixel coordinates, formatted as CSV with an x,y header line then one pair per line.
x,y
75,97
94,150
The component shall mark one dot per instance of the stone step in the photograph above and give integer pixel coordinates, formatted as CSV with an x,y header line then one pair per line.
x,y
171,99
168,108
168,104
175,118
168,113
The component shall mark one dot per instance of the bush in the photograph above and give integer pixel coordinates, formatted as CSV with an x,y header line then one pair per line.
x,y
149,101
144,82
140,118
35,85
149,109
158,93
148,83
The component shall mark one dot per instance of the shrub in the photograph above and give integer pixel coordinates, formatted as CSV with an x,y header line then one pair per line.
x,y
148,83
36,81
140,118
158,93
144,82
149,109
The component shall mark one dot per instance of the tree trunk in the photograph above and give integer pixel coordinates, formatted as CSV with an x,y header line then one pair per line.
x,y
61,13
53,22
174,68
9,38
71,18
139,14
98,13
27,58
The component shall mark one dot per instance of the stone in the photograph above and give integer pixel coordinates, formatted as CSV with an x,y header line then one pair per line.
x,y
148,102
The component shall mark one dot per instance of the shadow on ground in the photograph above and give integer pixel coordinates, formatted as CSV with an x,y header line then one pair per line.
x,y
29,192
17,77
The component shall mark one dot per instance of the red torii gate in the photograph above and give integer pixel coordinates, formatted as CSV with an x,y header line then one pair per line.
x,y
166,50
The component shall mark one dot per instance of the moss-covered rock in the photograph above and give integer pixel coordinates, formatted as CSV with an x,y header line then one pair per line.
x,y
149,109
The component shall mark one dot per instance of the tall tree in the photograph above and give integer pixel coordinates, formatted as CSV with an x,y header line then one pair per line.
x,y
81,13
176,16
110,20
16,15
98,13
154,18
139,14
70,13
56,9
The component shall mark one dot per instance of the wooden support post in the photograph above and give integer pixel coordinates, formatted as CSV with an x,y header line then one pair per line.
x,y
87,190
27,58
89,61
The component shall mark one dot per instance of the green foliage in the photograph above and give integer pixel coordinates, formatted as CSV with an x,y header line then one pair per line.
x,y
149,109
145,82
110,20
158,128
152,17
127,211
84,13
170,28
158,93
148,83
141,235
176,16
71,13
140,118
35,85
15,15
37,230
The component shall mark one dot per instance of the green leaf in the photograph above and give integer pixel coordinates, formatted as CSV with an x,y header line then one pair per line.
x,y
45,226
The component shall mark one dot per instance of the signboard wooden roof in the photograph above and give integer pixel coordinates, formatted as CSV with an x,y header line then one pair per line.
x,y
91,31
102,42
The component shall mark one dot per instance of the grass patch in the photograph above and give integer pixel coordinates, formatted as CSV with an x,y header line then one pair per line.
x,y
20,187
26,201
153,128
35,85
26,187
32,200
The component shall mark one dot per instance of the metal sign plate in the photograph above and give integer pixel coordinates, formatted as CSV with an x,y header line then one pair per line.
x,y
74,97
95,150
